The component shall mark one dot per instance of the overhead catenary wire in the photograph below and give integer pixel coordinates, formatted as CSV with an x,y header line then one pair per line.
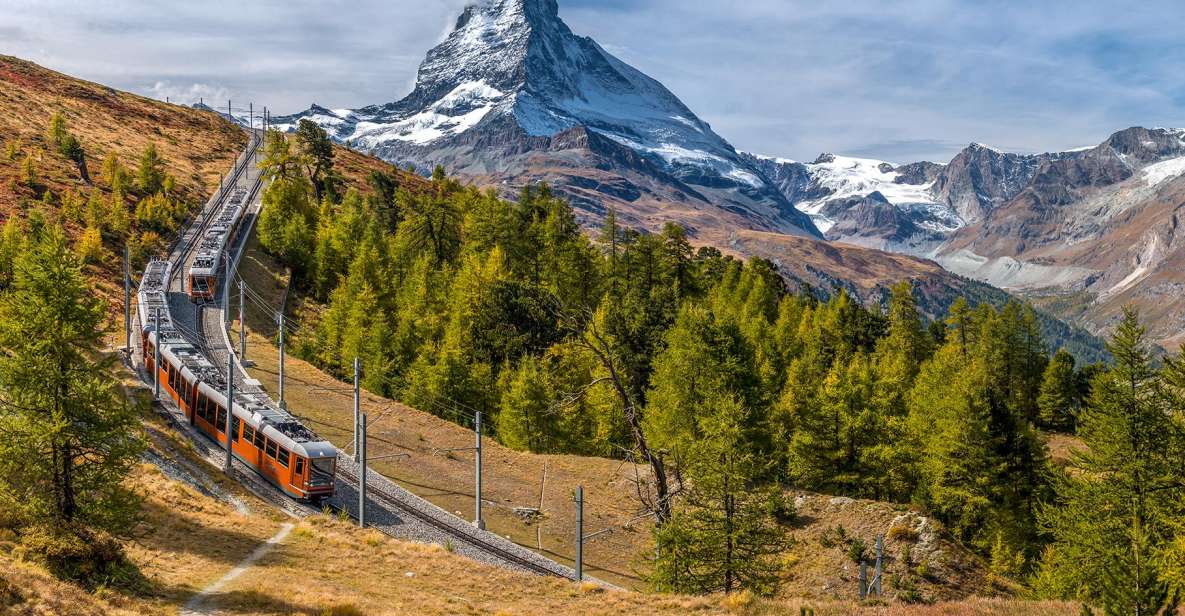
x,y
440,405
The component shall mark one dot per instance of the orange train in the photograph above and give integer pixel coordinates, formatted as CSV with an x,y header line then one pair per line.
x,y
205,269
264,437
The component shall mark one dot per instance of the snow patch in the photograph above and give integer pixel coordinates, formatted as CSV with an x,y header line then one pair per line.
x,y
847,177
1163,171
455,113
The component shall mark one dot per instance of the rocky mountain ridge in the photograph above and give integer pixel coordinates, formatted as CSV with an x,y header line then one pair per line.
x,y
514,97
1084,230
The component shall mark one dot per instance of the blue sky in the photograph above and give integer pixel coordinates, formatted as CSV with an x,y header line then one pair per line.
x,y
903,81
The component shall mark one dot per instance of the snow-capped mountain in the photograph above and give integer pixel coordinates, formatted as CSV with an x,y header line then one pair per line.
x,y
512,97
841,194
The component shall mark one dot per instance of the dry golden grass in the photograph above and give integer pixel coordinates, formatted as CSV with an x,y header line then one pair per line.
x,y
1062,447
383,576
511,479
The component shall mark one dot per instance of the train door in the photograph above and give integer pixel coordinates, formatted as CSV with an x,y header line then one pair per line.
x,y
298,472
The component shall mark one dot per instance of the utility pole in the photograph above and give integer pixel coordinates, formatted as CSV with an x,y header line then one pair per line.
x,y
362,477
580,533
863,580
242,324
478,522
127,301
880,554
229,115
357,411
251,116
230,404
284,406
156,356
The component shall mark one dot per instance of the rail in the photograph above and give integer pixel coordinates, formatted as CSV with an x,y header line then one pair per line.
x,y
466,535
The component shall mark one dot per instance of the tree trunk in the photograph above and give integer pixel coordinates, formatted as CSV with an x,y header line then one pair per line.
x,y
600,347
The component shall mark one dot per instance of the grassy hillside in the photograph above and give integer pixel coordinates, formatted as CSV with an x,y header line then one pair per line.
x,y
436,467
196,146
196,526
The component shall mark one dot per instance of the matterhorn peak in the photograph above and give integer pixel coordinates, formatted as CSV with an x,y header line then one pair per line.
x,y
511,9
512,76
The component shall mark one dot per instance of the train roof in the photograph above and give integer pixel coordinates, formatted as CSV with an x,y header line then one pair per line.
x,y
213,242
253,407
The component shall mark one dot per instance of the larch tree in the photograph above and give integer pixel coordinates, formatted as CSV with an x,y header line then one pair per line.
x,y
1120,502
150,174
726,534
71,436
317,157
1059,397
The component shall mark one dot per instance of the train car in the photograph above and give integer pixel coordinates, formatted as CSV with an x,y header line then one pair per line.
x,y
266,438
220,233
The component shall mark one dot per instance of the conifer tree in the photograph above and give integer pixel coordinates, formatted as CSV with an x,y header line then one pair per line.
x,y
317,153
71,435
1120,502
526,415
29,174
287,223
725,537
113,171
150,175
12,243
1059,398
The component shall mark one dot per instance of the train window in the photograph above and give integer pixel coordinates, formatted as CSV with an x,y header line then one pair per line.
x,y
234,428
299,466
259,440
220,420
271,449
321,471
282,457
248,434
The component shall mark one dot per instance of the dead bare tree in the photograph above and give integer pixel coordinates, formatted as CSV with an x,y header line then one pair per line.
x,y
589,336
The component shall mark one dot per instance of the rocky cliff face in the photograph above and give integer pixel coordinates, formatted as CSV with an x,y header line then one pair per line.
x,y
1083,230
867,202
512,97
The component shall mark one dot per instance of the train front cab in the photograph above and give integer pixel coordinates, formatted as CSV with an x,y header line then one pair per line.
x,y
201,287
303,477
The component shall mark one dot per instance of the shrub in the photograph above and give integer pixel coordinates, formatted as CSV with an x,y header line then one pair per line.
x,y
857,550
903,533
82,556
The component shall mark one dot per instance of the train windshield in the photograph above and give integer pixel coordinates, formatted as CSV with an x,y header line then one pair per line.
x,y
321,471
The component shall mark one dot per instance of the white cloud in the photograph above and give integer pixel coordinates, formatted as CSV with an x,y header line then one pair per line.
x,y
187,94
787,77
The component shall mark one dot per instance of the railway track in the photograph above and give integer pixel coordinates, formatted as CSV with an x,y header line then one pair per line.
x,y
467,535
189,240
393,510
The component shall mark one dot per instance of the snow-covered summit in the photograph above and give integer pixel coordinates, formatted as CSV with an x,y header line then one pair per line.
x,y
834,179
512,77
516,59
